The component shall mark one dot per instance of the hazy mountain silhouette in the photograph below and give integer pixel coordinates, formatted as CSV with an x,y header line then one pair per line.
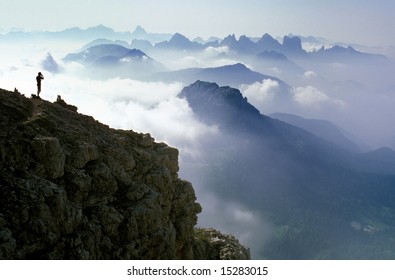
x,y
92,54
86,35
75,33
321,128
381,161
268,43
179,42
102,60
243,45
268,60
141,34
143,45
292,46
233,75
310,189
346,54
98,42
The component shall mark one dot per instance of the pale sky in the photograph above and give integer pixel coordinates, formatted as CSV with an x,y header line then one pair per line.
x,y
369,22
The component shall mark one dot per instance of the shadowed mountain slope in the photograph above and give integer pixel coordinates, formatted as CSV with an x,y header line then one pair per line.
x,y
313,191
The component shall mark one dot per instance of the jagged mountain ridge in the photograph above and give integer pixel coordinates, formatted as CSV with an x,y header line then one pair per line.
x,y
73,188
291,45
288,60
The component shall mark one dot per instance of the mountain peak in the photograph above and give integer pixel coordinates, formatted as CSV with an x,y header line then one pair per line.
x,y
101,28
267,36
229,40
244,38
267,42
139,31
292,44
224,105
179,39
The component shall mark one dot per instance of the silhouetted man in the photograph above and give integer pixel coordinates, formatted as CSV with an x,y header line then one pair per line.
x,y
38,79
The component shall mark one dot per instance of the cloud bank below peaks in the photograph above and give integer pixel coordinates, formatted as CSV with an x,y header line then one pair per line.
x,y
312,98
148,107
268,97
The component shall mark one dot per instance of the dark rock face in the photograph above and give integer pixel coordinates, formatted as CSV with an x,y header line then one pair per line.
x,y
221,104
72,188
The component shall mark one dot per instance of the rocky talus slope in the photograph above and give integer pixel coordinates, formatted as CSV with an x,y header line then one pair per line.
x,y
73,188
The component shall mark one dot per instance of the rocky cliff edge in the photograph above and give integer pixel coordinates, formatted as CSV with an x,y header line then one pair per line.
x,y
73,188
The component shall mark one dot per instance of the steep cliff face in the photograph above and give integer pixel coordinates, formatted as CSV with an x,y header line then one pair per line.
x,y
73,188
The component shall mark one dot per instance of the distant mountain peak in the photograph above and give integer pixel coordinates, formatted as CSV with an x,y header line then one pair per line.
x,y
267,38
237,66
231,36
179,41
229,40
136,53
109,55
293,44
139,31
340,49
267,42
179,38
244,38
204,85
100,28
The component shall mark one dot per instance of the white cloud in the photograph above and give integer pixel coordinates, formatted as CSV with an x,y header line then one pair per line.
x,y
261,94
313,98
185,62
310,74
130,104
211,51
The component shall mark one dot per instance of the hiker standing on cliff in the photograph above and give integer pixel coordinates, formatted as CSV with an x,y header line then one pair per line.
x,y
38,79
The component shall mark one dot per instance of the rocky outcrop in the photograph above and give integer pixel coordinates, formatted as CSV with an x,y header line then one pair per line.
x,y
212,244
73,188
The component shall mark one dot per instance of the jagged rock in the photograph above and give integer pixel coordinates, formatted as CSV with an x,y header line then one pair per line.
x,y
213,245
146,140
72,188
49,153
83,154
62,103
